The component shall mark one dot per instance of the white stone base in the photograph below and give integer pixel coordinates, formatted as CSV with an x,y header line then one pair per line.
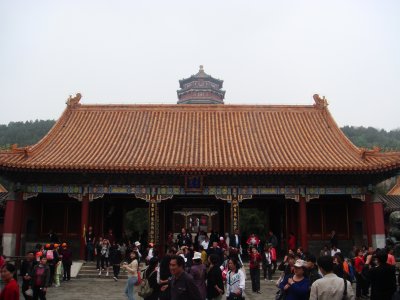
x,y
9,241
75,268
378,241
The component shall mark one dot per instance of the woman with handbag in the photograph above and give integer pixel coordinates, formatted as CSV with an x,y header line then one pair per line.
x,y
215,285
235,281
151,276
132,269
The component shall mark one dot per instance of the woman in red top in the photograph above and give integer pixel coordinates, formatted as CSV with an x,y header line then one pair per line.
x,y
358,266
255,260
11,290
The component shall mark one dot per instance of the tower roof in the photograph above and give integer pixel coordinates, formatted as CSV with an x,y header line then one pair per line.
x,y
201,88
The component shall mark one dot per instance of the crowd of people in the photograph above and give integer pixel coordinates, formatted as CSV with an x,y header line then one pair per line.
x,y
45,266
210,266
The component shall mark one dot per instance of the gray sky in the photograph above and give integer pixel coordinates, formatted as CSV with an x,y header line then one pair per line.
x,y
267,52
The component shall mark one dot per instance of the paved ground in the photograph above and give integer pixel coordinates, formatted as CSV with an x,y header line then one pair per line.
x,y
86,288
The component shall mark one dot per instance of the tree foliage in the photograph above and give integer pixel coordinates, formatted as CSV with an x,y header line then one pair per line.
x,y
24,133
369,137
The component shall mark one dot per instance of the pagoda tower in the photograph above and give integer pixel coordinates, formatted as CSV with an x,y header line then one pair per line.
x,y
201,88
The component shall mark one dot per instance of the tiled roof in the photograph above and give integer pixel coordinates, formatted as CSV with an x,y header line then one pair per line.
x,y
391,203
198,138
395,190
3,195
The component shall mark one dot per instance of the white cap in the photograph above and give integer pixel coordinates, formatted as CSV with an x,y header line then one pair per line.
x,y
300,263
196,255
137,244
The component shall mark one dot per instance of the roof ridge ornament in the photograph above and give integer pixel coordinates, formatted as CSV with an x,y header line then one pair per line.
x,y
74,101
365,152
320,103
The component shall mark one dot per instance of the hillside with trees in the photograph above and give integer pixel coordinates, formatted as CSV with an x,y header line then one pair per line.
x,y
30,132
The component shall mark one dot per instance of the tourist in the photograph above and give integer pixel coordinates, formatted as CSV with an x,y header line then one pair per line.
x,y
132,268
52,259
325,251
338,268
181,285
164,273
66,261
136,248
151,275
312,269
330,287
58,267
334,250
296,287
272,239
391,259
105,252
267,263
198,272
253,240
235,281
53,238
334,239
90,242
227,239
352,253
110,236
214,249
115,258
291,241
272,250
215,285
97,252
206,242
40,279
11,288
359,263
234,240
300,253
203,255
287,265
255,260
150,252
222,244
184,238
214,236
26,271
382,277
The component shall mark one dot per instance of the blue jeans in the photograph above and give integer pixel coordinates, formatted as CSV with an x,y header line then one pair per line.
x,y
130,287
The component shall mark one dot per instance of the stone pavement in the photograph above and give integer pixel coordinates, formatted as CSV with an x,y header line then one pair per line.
x,y
102,288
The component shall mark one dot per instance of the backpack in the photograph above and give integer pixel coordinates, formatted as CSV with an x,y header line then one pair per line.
x,y
145,290
49,255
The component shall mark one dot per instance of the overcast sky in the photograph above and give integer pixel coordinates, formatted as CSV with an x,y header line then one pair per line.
x,y
267,52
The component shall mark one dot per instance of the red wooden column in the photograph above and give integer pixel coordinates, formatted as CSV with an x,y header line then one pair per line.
x,y
303,222
84,223
12,225
367,218
377,224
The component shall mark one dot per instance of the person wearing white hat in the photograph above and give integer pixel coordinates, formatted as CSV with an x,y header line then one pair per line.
x,y
296,286
198,271
136,248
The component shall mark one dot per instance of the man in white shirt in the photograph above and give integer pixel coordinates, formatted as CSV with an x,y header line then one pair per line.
x,y
205,243
330,287
334,251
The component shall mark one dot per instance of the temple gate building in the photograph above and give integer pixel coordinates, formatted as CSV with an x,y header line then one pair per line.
x,y
194,164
